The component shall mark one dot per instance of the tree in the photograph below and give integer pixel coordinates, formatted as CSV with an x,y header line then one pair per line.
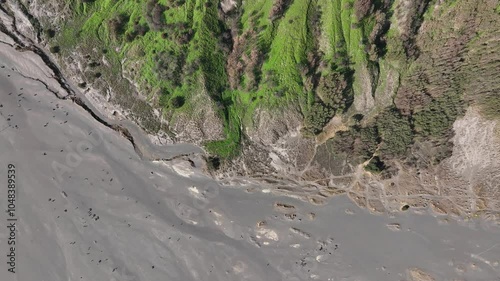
x,y
363,8
139,30
395,131
436,119
318,116
279,8
334,90
55,49
168,67
117,25
213,163
50,33
154,15
359,143
375,165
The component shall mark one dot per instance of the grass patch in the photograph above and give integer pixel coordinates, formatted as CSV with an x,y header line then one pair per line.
x,y
230,146
287,51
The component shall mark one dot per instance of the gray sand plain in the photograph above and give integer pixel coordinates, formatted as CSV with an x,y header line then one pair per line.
x,y
89,208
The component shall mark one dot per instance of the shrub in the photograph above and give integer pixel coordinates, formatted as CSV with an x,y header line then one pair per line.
x,y
182,34
358,142
334,90
50,33
416,10
436,119
318,116
55,49
139,30
94,64
375,165
130,37
213,163
168,66
358,117
154,15
177,101
377,38
117,25
395,132
279,8
363,8
490,104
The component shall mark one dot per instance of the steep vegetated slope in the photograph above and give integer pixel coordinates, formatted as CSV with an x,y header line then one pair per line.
x,y
304,90
240,55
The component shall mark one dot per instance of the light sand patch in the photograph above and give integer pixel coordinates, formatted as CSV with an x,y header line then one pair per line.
x,y
267,233
239,267
300,232
195,192
394,226
283,207
335,125
474,145
183,168
228,5
417,274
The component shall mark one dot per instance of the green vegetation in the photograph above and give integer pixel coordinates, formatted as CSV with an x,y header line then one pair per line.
x,y
318,117
230,146
359,143
395,132
177,101
317,55
174,47
490,105
213,163
437,118
375,165
288,50
333,96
